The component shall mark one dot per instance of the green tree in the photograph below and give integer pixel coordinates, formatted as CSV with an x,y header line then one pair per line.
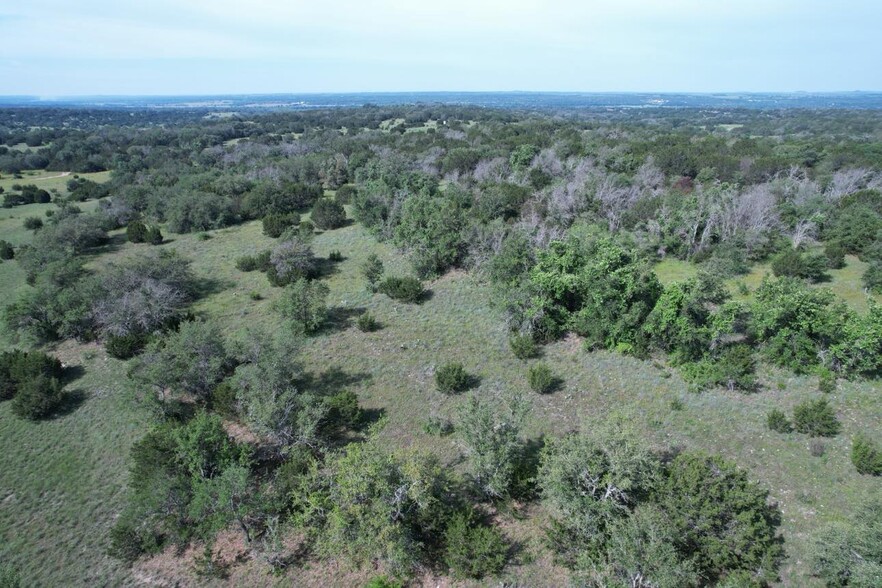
x,y
473,550
225,498
372,269
304,305
328,214
682,321
431,228
492,440
596,287
850,554
589,481
795,323
273,403
641,551
722,521
192,360
367,505
291,260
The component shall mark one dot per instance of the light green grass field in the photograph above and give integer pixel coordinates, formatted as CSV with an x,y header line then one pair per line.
x,y
50,180
66,475
846,283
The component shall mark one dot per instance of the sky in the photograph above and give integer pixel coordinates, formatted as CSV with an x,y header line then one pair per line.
x,y
54,48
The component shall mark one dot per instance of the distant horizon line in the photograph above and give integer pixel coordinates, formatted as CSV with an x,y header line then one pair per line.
x,y
391,92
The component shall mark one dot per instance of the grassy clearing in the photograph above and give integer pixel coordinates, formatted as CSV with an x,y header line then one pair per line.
x,y
846,283
12,219
49,180
63,480
71,470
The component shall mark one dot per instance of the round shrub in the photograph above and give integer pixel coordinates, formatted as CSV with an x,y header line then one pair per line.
x,y
835,254
125,346
816,418
473,551
136,232
866,456
777,421
366,323
451,377
873,276
372,269
250,263
18,367
306,230
343,409
276,224
154,236
335,256
540,378
33,223
523,346
37,397
223,399
345,193
6,250
403,289
826,381
383,582
328,214
791,262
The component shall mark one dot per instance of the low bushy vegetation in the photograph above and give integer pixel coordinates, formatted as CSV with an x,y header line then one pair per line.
x,y
451,378
403,289
866,455
540,378
816,418
328,214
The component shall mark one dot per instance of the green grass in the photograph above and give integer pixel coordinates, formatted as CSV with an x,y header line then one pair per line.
x,y
67,475
49,180
846,283
63,480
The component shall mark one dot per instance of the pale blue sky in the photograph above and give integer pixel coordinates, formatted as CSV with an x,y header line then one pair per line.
x,y
88,47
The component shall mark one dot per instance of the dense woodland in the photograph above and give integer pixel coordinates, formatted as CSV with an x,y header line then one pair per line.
x,y
562,218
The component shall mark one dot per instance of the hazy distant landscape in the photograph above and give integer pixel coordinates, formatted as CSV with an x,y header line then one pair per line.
x,y
513,100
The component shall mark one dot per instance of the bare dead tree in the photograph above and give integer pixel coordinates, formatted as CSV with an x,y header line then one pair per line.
x,y
804,233
846,181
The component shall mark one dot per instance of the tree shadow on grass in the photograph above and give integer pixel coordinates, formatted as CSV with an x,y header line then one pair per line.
x,y
113,244
72,373
205,287
369,417
332,380
325,268
71,400
340,318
